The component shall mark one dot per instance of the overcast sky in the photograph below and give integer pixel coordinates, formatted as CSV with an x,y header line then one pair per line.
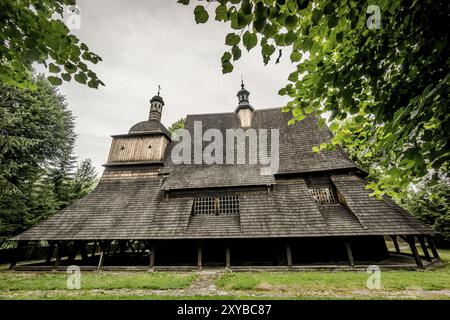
x,y
145,43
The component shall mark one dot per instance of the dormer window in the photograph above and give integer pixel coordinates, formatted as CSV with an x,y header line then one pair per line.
x,y
217,205
323,195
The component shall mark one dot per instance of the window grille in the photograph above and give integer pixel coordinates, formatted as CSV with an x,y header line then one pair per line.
x,y
216,205
323,195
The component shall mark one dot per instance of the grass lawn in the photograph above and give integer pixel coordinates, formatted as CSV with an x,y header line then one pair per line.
x,y
438,279
433,284
14,281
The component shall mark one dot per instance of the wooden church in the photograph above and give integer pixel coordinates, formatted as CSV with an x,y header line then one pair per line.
x,y
149,212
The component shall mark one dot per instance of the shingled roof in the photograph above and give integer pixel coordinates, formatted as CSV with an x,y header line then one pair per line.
x,y
156,201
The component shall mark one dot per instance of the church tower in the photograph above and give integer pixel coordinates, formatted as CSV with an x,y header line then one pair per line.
x,y
244,109
145,142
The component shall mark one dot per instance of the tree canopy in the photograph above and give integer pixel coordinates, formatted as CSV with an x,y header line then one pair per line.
x,y
37,167
383,66
33,31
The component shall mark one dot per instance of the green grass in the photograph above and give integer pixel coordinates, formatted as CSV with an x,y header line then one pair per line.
x,y
438,279
256,285
106,281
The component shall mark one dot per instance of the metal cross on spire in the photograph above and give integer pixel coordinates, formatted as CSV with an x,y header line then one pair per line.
x,y
242,81
159,89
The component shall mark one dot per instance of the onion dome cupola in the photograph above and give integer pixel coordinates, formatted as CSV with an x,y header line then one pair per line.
x,y
156,105
145,142
244,109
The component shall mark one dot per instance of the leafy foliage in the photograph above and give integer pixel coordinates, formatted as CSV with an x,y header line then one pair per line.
x,y
431,204
30,32
392,82
426,198
179,124
36,163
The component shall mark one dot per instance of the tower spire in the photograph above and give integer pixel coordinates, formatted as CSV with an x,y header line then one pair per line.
x,y
243,97
156,105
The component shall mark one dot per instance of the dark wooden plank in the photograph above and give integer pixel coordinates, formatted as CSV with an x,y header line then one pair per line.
x,y
412,245
424,248
227,256
397,247
289,256
432,247
199,256
349,254
152,256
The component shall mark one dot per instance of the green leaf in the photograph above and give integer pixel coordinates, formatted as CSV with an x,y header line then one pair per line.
x,y
183,2
54,80
53,68
70,67
236,52
232,39
250,40
227,67
226,57
329,8
333,21
296,56
221,13
259,25
268,49
334,126
201,15
293,77
93,84
246,7
291,22
66,76
80,77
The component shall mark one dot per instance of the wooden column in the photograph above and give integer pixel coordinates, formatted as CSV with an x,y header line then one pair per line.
x,y
227,257
58,254
432,247
94,249
397,247
101,260
83,251
152,256
412,245
289,255
16,254
348,247
72,252
199,256
50,252
424,248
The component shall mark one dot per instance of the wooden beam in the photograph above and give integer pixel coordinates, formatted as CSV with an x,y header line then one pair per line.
x,y
83,251
58,254
101,260
199,256
72,252
397,247
348,247
412,245
227,257
432,247
152,256
94,249
50,252
424,248
289,255
16,254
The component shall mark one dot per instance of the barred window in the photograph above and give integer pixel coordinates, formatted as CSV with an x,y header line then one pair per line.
x,y
216,205
323,195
